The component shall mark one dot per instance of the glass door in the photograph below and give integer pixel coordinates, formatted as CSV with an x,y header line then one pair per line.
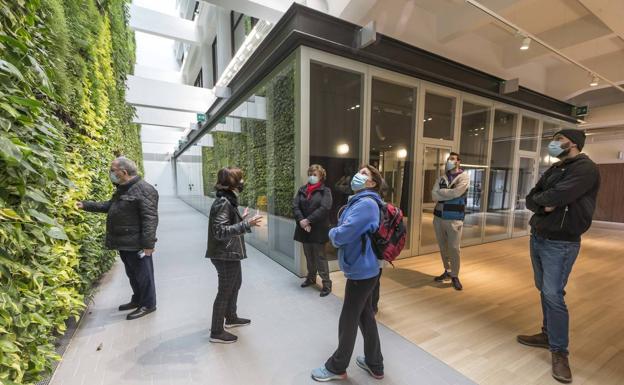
x,y
499,204
434,159
526,181
391,144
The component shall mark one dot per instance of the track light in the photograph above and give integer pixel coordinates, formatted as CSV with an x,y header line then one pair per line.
x,y
594,81
526,42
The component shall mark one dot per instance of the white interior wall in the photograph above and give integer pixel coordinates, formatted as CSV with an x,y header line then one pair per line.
x,y
160,175
605,148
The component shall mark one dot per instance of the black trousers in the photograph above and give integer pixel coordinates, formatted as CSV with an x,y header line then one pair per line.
x,y
230,280
376,292
316,261
140,272
357,310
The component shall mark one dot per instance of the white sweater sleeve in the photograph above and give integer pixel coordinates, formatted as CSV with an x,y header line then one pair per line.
x,y
458,189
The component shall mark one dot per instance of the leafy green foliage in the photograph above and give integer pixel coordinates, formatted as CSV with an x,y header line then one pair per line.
x,y
63,117
264,149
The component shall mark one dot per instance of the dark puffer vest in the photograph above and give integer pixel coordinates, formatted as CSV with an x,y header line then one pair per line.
x,y
132,216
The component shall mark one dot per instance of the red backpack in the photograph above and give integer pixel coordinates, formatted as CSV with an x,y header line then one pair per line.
x,y
388,241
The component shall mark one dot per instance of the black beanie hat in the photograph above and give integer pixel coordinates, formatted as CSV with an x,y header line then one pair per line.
x,y
576,136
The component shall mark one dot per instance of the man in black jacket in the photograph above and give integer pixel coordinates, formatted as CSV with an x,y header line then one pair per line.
x,y
563,202
131,228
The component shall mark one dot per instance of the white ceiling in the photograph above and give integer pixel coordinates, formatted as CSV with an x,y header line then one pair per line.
x,y
455,29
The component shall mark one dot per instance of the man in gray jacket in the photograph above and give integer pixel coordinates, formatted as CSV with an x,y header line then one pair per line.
x,y
132,219
449,193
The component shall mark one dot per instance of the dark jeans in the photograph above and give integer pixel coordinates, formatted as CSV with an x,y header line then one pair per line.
x,y
357,310
140,272
376,292
230,280
317,262
552,264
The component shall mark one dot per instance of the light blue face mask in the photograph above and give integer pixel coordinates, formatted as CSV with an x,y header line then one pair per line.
x,y
113,177
450,165
554,148
359,182
313,179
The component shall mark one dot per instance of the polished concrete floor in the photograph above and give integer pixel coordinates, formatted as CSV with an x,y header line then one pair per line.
x,y
293,330
474,330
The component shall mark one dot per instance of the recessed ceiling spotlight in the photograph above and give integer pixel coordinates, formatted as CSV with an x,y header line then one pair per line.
x,y
526,42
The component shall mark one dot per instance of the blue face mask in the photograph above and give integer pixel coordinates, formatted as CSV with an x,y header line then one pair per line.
x,y
554,148
450,165
113,177
313,179
359,182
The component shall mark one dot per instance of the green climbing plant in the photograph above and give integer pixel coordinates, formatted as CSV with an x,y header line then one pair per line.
x,y
263,149
63,117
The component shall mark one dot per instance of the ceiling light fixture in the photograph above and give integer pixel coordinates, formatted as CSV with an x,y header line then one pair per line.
x,y
594,81
539,41
342,149
526,42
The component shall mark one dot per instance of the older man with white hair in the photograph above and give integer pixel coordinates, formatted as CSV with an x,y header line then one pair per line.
x,y
132,219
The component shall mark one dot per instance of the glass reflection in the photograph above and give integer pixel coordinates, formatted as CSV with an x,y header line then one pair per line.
x,y
391,137
473,149
335,125
501,172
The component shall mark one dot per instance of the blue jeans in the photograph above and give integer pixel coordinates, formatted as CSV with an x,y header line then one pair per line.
x,y
552,264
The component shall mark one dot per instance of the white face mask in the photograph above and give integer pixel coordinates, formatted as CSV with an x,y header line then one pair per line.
x,y
450,165
113,177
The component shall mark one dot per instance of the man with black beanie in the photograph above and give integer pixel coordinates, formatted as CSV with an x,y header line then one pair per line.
x,y
563,203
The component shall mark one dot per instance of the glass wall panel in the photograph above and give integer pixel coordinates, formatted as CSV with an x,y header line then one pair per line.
x,y
501,172
259,137
336,100
439,120
433,167
548,131
189,179
391,141
526,181
473,149
529,134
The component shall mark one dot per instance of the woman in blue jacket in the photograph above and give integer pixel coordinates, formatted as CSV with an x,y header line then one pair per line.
x,y
359,263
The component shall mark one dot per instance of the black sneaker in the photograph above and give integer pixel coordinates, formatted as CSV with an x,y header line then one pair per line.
x,y
456,284
308,282
140,312
444,277
223,338
325,291
128,306
236,322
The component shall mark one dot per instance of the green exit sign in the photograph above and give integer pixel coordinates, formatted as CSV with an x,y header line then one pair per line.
x,y
581,111
201,118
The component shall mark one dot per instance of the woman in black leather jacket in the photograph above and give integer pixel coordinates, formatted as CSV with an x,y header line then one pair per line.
x,y
226,248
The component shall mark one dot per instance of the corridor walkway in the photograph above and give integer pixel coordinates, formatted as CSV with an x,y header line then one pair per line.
x,y
292,331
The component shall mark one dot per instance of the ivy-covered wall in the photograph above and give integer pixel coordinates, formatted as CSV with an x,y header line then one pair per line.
x,y
63,118
264,149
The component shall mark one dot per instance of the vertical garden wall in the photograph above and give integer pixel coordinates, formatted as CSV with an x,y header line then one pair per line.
x,y
63,117
263,148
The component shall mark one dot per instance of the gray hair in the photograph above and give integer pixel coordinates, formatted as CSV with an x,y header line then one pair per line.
x,y
127,164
